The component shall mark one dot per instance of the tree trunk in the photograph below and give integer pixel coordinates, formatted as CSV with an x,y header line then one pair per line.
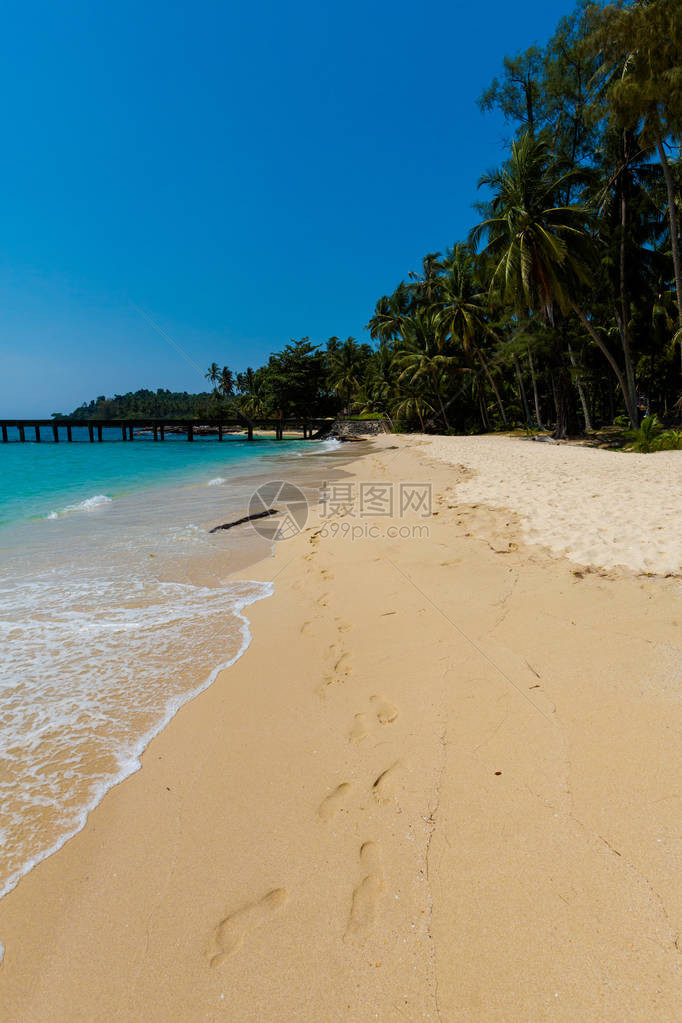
x,y
674,241
555,399
440,402
492,383
632,412
581,390
522,392
481,407
566,423
536,398
624,317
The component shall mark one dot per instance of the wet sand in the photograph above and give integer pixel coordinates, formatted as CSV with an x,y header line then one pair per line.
x,y
441,784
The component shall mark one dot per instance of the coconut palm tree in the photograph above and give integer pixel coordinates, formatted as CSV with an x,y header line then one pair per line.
x,y
252,401
410,406
463,310
345,373
213,375
422,354
424,287
226,382
541,253
380,382
641,44
388,314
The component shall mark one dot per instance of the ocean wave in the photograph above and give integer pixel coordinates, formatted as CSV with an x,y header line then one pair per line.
x,y
89,504
74,733
216,482
327,445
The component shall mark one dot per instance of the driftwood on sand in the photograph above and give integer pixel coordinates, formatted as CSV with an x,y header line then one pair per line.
x,y
247,518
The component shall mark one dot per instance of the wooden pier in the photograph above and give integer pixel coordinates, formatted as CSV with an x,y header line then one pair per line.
x,y
62,429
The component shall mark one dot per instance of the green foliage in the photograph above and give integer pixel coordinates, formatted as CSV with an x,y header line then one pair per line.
x,y
647,437
142,404
570,313
671,440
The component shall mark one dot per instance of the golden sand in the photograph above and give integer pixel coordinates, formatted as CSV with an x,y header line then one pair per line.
x,y
442,784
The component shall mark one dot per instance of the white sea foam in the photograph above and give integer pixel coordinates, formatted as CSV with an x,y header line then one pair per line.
x,y
89,504
216,482
87,684
109,623
325,446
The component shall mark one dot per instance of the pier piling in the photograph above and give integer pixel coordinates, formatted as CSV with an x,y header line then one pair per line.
x,y
146,427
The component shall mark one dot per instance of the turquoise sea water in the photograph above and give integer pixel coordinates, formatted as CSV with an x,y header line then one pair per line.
x,y
37,479
117,605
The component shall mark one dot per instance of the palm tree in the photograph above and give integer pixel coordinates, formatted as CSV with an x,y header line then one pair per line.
x,y
407,406
642,46
541,253
425,287
226,382
346,370
463,310
422,354
388,314
213,375
252,400
380,383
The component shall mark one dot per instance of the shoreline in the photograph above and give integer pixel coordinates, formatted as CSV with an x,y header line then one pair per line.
x,y
38,821
387,808
133,761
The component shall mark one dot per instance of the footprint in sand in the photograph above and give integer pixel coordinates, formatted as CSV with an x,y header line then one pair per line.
x,y
342,626
385,788
365,900
334,802
230,933
324,600
342,666
360,729
384,709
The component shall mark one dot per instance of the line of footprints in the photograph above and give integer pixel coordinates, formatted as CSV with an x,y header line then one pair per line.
x,y
367,893
231,932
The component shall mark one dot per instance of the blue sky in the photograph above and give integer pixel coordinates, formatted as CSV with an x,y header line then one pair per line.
x,y
242,173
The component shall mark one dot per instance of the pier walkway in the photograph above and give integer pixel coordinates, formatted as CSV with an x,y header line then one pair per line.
x,y
63,427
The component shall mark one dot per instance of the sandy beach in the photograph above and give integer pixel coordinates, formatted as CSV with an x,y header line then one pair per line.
x,y
442,784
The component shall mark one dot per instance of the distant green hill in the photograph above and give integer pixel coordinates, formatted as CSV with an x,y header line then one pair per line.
x,y
143,404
